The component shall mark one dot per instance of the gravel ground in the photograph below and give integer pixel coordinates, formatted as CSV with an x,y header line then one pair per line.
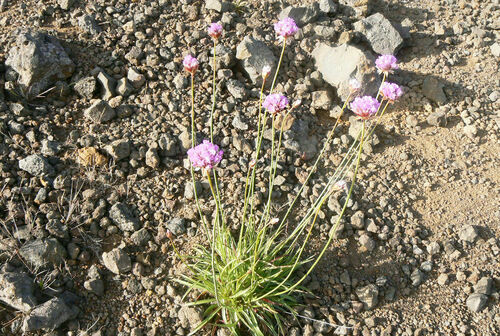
x,y
94,126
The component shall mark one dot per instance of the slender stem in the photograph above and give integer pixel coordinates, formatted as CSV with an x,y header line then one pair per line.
x,y
193,132
279,65
213,235
212,111
334,229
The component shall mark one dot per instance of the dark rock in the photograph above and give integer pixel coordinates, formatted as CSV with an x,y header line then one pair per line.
x,y
16,290
43,251
36,165
48,316
123,217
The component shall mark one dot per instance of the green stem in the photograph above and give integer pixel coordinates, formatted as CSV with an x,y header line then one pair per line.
x,y
193,132
213,235
279,65
383,80
212,111
334,229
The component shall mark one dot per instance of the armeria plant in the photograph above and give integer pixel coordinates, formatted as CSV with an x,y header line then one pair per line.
x,y
249,279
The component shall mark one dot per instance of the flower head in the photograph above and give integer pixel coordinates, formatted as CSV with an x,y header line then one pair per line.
x,y
206,155
286,27
391,91
275,103
215,30
190,64
386,63
365,106
266,71
354,85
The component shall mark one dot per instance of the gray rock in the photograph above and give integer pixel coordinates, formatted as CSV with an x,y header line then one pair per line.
x,y
236,89
168,145
495,49
468,234
65,4
118,149
350,62
442,279
108,85
417,277
433,89
123,87
301,15
135,78
254,55
322,100
484,286
238,123
218,5
141,237
367,243
95,286
328,6
189,191
177,226
36,165
134,55
189,317
123,217
437,118
100,112
476,302
16,290
380,33
41,252
50,148
368,295
40,61
117,261
152,158
48,316
470,131
358,220
86,87
88,24
433,248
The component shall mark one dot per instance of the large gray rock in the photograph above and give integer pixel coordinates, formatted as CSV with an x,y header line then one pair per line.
x,y
108,85
117,261
380,33
16,290
36,165
99,112
328,6
301,15
49,315
339,65
254,55
86,87
41,252
119,149
40,61
123,217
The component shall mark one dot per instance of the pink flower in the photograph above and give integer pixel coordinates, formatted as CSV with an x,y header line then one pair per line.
x,y
275,103
190,64
391,91
386,63
215,30
286,27
206,155
365,107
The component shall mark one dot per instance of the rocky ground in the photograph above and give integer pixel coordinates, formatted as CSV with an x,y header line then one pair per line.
x,y
94,125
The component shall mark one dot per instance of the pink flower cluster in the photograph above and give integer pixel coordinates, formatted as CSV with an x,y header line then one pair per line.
x,y
286,27
365,107
215,30
391,91
206,155
191,64
275,103
386,63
